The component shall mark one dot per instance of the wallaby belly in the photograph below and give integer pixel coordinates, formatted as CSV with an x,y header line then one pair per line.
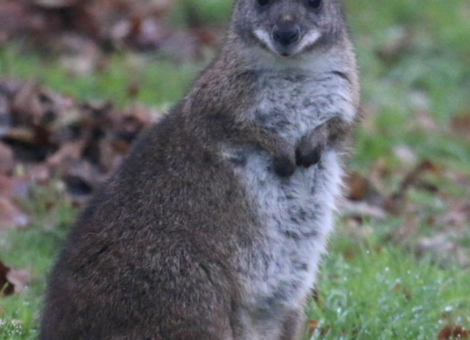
x,y
295,213
296,216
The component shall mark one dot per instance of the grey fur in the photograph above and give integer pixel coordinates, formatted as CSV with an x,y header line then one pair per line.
x,y
209,230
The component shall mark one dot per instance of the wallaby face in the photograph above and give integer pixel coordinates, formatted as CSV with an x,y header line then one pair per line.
x,y
289,27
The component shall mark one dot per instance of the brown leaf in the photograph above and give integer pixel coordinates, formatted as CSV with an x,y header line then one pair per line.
x,y
11,216
134,88
358,186
205,36
20,279
312,327
13,280
414,176
14,187
350,208
397,202
461,125
71,151
39,174
54,136
136,119
21,134
106,24
457,215
362,189
7,162
145,33
6,287
109,158
26,106
81,178
397,46
453,332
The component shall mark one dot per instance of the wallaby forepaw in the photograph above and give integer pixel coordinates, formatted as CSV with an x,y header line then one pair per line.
x,y
284,166
310,149
307,158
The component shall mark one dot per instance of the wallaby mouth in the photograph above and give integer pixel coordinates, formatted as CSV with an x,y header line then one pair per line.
x,y
287,40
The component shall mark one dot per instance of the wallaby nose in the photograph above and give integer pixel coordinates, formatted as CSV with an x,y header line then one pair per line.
x,y
286,34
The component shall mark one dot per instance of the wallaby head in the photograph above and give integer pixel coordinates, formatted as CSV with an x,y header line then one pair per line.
x,y
288,27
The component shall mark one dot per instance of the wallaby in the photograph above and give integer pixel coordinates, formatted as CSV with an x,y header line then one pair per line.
x,y
214,226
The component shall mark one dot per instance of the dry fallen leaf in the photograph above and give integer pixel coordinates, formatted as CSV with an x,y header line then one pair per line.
x,y
13,280
20,279
358,185
453,332
7,162
6,287
396,203
54,25
461,125
48,135
397,45
11,216
457,215
351,208
70,151
312,327
14,187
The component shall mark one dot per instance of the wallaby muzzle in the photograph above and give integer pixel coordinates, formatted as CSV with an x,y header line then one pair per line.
x,y
285,34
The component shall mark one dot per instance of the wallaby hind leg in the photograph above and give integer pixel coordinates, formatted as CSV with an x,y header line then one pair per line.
x,y
294,325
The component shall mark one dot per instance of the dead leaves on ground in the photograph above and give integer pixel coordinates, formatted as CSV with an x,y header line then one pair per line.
x,y
81,31
45,136
367,199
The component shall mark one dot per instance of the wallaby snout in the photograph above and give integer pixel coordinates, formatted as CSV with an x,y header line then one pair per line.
x,y
286,34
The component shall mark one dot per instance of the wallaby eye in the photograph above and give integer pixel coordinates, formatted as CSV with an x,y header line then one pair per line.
x,y
314,3
263,3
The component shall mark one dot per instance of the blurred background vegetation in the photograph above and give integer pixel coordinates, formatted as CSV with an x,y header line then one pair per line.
x,y
399,262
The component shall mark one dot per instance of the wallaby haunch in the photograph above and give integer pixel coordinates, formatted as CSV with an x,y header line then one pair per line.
x,y
214,226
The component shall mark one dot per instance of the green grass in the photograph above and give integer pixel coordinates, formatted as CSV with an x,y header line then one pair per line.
x,y
376,291
369,288
34,250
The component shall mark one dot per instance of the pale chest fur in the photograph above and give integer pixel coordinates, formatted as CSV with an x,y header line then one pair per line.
x,y
296,213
